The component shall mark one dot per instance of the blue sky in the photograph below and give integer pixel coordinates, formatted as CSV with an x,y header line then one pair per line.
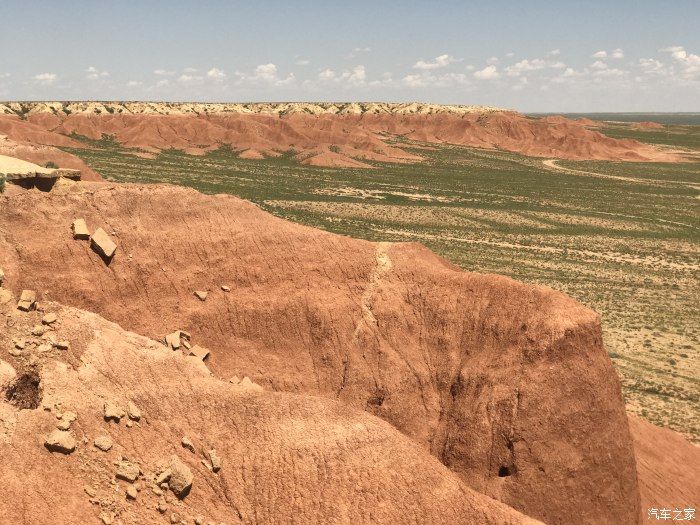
x,y
613,55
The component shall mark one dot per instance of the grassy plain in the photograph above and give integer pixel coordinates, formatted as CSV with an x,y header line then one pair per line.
x,y
623,238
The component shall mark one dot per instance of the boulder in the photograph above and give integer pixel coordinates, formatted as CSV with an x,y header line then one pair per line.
x,y
128,471
102,244
112,411
133,411
198,351
181,477
60,441
27,301
104,443
80,229
49,319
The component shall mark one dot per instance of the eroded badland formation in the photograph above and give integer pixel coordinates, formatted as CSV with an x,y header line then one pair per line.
x,y
172,357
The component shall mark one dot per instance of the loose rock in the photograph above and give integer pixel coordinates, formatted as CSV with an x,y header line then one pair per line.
x,y
198,351
225,288
181,477
215,460
201,295
38,330
187,444
128,471
2,276
104,443
131,492
62,345
49,319
80,229
102,244
60,441
133,411
164,477
113,411
27,300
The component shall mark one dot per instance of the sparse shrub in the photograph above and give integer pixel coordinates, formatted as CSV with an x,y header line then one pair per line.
x,y
51,164
2,183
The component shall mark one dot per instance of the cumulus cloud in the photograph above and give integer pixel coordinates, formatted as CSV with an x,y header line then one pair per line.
x,y
492,60
163,73
439,62
618,53
599,64
216,74
356,76
534,64
302,62
327,74
189,79
95,74
600,54
488,73
265,74
46,78
688,63
133,83
553,53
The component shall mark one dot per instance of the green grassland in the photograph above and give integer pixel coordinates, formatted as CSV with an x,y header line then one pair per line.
x,y
623,238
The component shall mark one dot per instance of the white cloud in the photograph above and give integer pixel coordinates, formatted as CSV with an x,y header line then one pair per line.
x,y
163,73
95,74
266,72
358,51
599,64
216,74
302,62
163,82
600,54
651,65
46,78
189,79
553,53
618,53
488,73
689,63
327,74
414,80
133,83
190,70
492,60
355,77
439,62
535,64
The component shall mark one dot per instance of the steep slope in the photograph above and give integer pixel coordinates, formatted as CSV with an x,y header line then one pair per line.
x,y
667,465
336,135
123,403
507,384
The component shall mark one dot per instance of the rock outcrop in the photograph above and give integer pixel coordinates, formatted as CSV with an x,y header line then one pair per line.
x,y
336,135
286,458
506,384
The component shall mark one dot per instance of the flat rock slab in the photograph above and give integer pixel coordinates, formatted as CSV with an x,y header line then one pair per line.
x,y
80,229
198,351
60,441
27,300
103,244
